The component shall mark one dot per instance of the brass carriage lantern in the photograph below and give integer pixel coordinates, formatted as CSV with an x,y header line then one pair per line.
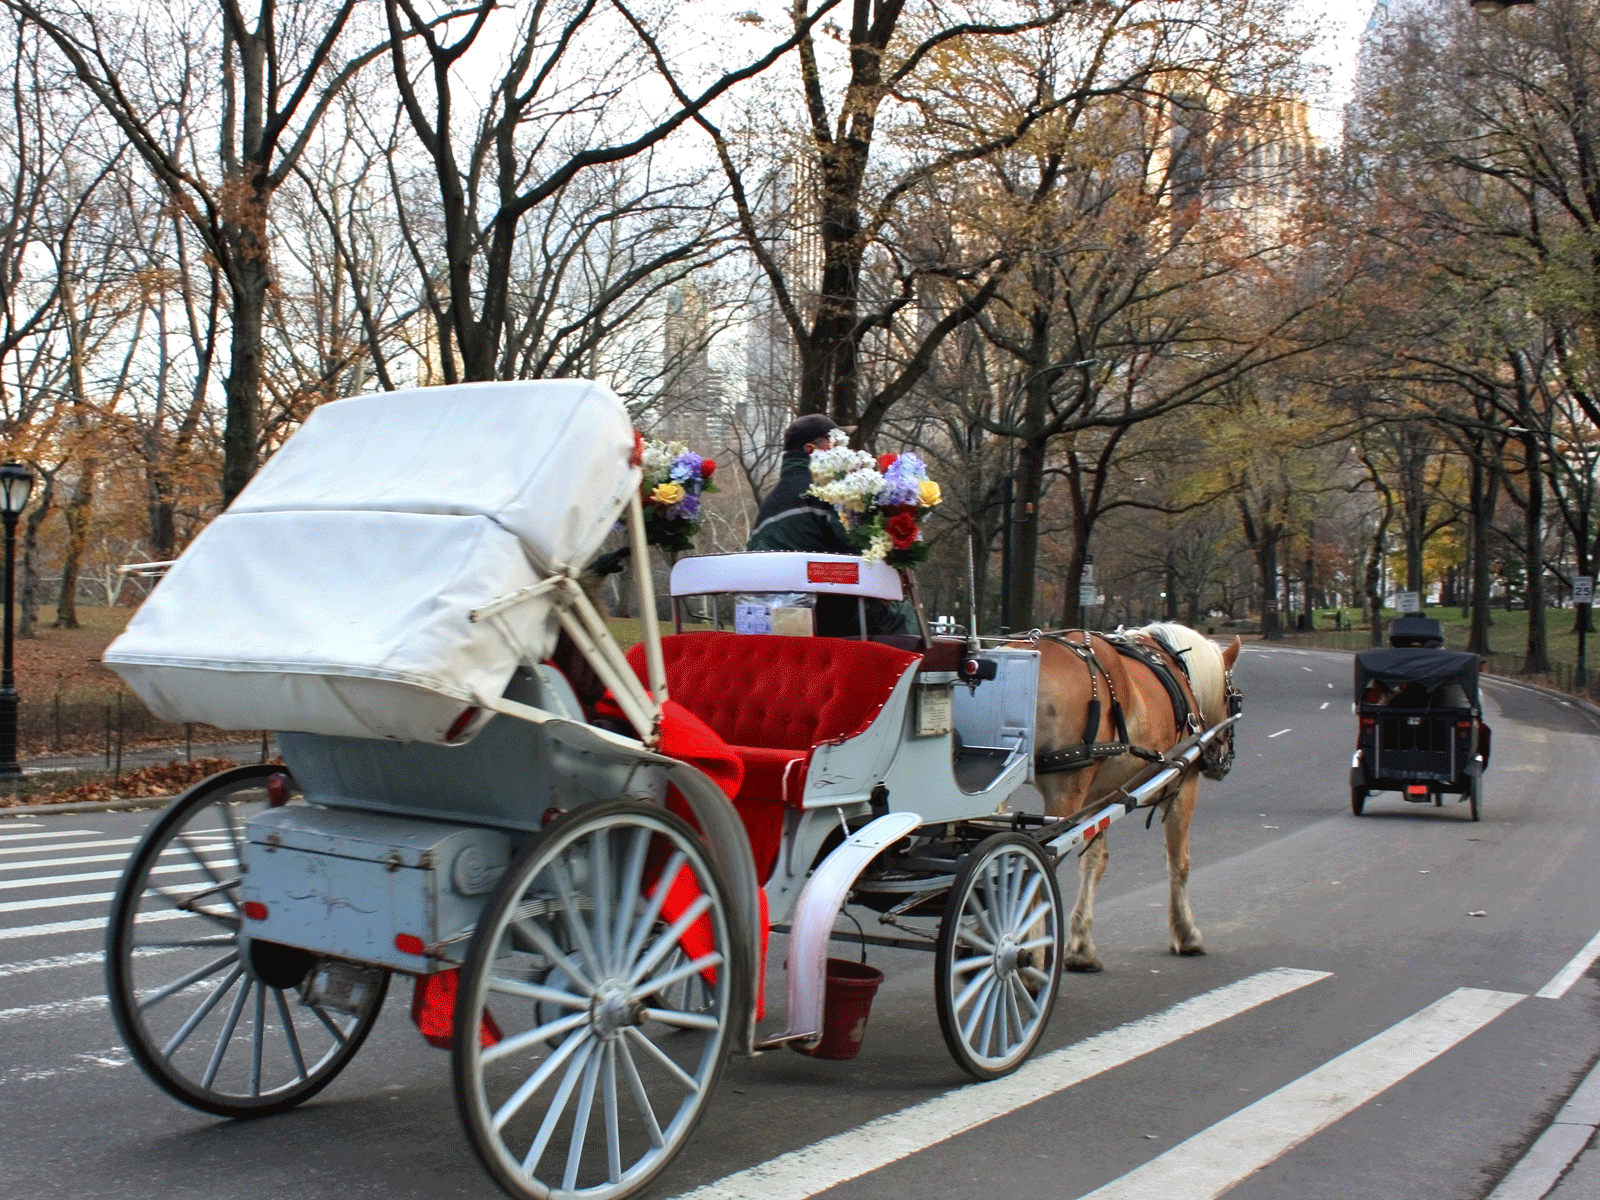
x,y
16,485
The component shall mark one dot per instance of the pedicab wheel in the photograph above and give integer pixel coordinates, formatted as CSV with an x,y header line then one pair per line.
x,y
1475,796
1358,799
211,1016
998,961
593,1085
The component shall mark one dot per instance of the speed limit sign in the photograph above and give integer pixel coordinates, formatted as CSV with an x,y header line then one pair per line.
x,y
1583,589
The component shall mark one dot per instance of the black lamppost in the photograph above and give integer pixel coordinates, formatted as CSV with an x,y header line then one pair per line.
x,y
16,485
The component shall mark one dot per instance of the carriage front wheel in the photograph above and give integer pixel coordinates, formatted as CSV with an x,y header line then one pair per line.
x,y
215,1019
581,1064
998,962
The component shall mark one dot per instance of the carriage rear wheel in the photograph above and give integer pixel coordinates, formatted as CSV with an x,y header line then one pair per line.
x,y
998,962
1358,800
1475,796
213,1018
601,1060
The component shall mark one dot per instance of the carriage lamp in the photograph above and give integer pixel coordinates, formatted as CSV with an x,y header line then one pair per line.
x,y
16,485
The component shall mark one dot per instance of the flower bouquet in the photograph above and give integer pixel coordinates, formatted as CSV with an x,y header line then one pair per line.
x,y
880,501
675,478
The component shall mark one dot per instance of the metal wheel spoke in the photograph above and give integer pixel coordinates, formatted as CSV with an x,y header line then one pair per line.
x,y
979,1004
670,939
1036,975
531,1037
201,1013
705,962
657,1053
574,920
291,1036
1023,997
228,1027
962,965
184,944
260,1037
558,1105
981,901
613,1123
628,894
580,1121
641,1098
1035,882
186,904
198,859
682,1020
189,980
537,991
540,937
967,935
1038,943
1013,1018
972,987
600,885
652,910
331,1025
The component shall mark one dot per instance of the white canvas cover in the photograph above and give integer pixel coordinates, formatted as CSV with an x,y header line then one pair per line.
x,y
334,595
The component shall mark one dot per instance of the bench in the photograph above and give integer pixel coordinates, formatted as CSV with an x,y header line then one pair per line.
x,y
774,700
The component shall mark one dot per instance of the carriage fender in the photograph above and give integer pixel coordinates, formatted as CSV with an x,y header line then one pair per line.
x,y
815,911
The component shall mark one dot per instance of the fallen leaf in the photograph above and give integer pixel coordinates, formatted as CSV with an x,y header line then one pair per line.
x,y
1477,912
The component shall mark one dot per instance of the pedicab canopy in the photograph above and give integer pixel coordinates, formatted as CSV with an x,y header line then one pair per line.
x,y
334,595
1429,670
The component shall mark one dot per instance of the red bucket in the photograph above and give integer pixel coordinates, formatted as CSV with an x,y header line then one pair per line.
x,y
845,1005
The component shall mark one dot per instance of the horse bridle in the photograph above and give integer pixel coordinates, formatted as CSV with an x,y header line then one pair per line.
x,y
1216,760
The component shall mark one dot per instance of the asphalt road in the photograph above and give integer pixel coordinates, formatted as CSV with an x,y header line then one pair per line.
x,y
1354,1031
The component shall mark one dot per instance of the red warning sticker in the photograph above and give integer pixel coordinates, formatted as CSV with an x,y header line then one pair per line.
x,y
833,572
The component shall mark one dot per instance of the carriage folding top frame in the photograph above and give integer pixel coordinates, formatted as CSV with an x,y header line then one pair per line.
x,y
584,909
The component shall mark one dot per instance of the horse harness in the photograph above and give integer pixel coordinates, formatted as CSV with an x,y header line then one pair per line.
x,y
1162,660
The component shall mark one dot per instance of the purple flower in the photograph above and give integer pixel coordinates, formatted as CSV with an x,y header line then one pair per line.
x,y
685,508
686,468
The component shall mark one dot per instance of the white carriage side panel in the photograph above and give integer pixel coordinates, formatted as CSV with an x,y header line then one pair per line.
x,y
785,571
353,624
846,772
1001,712
547,460
923,779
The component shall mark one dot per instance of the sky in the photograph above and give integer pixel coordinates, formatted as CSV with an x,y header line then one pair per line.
x,y
1342,21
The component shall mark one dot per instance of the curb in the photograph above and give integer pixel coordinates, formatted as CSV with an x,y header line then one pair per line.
x,y
85,806
1540,1170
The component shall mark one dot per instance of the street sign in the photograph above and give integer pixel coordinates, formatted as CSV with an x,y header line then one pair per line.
x,y
1583,589
1088,569
1407,602
1087,596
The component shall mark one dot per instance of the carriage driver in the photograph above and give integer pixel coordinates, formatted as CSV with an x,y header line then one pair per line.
x,y
791,520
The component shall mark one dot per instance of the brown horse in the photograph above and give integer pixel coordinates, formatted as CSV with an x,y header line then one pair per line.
x,y
1104,714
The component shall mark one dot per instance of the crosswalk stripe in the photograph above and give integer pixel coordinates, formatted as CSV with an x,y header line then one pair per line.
x,y
75,860
49,833
68,846
1572,972
55,902
91,876
1217,1158
53,963
88,924
830,1162
55,1008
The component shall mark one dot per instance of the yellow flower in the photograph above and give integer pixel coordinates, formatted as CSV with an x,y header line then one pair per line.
x,y
928,495
667,494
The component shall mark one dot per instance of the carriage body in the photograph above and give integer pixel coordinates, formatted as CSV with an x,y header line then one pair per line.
x,y
1421,730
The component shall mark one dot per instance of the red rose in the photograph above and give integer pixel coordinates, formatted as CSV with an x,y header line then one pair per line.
x,y
885,461
638,450
902,530
706,468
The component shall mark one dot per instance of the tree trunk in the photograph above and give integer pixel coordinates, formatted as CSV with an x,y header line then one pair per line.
x,y
78,513
1483,488
242,432
1537,660
28,594
1267,564
1025,531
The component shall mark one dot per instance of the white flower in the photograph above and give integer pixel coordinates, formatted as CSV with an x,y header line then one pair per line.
x,y
837,462
658,456
855,492
879,546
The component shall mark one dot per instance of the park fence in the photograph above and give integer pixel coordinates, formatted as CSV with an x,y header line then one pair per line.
x,y
114,731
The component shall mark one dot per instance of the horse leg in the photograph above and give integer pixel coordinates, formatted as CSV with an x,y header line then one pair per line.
x,y
1081,955
1185,935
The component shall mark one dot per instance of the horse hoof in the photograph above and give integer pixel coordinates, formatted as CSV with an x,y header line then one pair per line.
x,y
1190,951
1084,968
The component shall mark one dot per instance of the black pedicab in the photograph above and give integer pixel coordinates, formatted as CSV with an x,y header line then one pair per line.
x,y
1422,732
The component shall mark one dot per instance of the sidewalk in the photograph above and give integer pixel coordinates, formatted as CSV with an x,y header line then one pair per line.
x,y
145,756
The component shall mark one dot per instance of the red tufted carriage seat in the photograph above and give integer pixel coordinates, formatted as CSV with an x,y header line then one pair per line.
x,y
774,700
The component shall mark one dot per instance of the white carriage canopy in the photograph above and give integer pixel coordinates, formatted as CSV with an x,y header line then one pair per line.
x,y
334,596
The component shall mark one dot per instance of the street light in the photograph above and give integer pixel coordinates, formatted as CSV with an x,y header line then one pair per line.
x,y
16,485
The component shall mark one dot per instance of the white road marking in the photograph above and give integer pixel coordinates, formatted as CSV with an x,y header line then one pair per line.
x,y
830,1162
1280,733
1305,668
68,846
1572,972
94,1060
1323,705
1217,1158
50,964
55,1008
92,876
22,837
89,923
75,860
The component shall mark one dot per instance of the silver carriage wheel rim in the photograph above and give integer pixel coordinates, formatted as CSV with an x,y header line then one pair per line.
x,y
204,1017
597,1068
1001,975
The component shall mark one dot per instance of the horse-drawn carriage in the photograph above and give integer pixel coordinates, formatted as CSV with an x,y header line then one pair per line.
x,y
1421,730
482,792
